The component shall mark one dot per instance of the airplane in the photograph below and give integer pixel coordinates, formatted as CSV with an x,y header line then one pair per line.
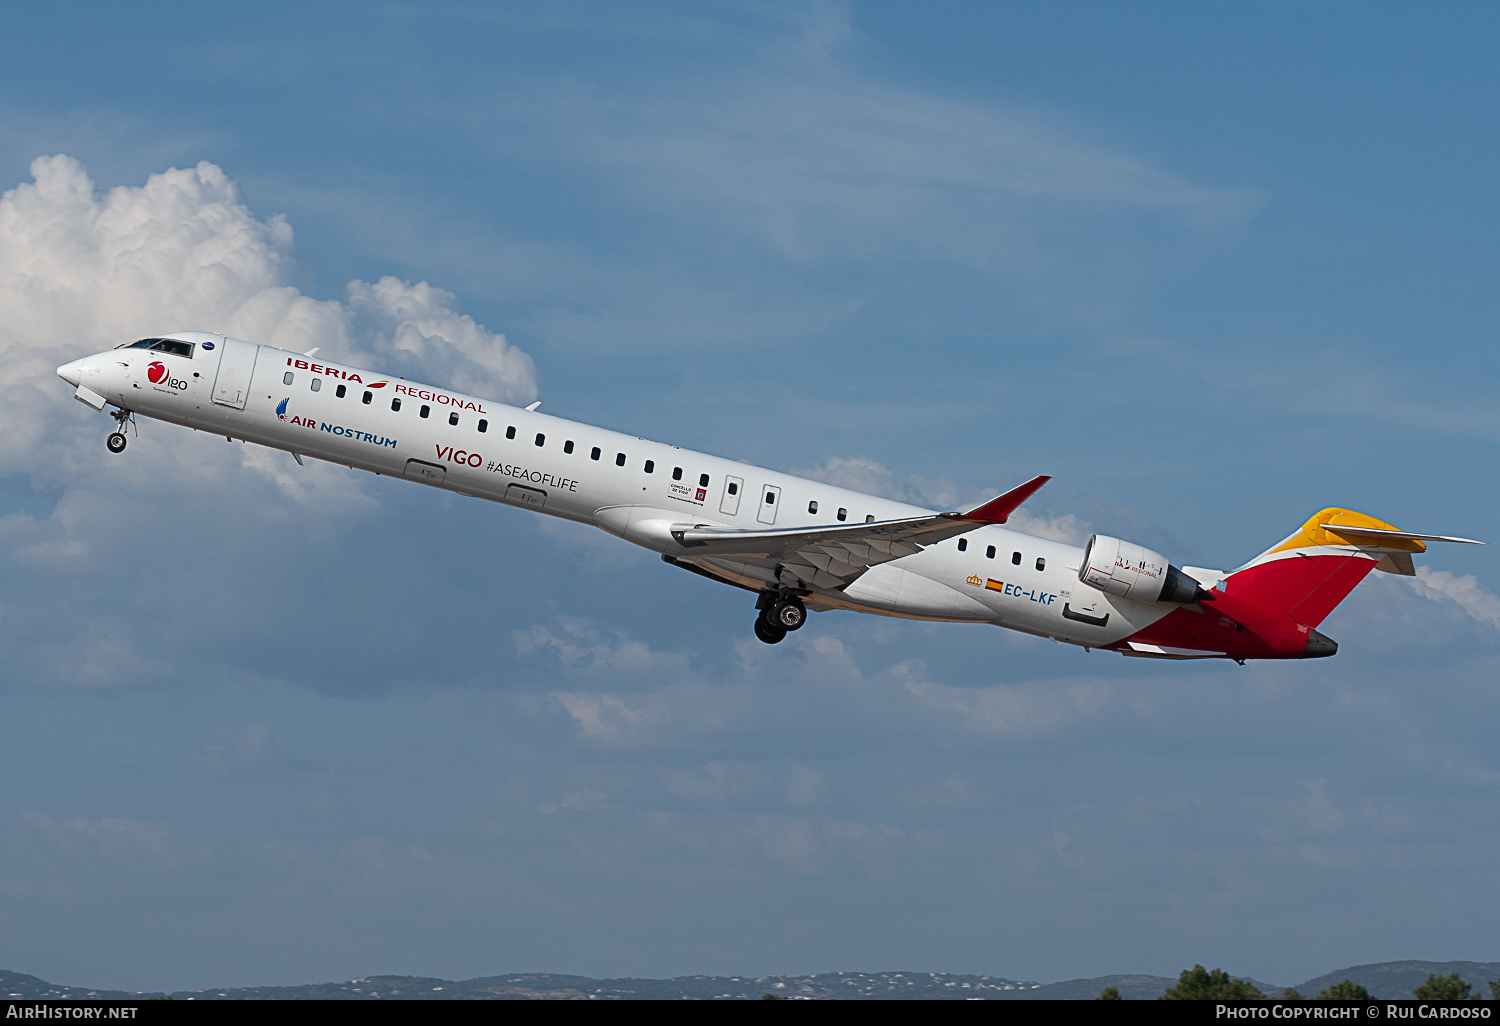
x,y
799,545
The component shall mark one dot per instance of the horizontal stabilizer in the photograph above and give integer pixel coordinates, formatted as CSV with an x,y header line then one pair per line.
x,y
1374,536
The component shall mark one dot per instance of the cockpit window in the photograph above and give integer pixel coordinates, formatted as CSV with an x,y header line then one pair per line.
x,y
163,345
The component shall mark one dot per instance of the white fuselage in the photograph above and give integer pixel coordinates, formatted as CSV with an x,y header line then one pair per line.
x,y
631,487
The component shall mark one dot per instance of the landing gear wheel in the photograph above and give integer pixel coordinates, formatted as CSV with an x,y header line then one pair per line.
x,y
115,442
787,614
769,633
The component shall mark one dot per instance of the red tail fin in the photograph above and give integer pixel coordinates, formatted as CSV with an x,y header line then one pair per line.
x,y
1311,572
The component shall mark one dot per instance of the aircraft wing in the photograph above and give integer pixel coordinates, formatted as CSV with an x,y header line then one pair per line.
x,y
833,557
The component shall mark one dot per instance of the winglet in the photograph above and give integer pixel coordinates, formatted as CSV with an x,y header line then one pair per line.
x,y
999,509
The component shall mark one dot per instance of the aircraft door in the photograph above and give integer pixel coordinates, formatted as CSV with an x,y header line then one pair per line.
x,y
730,504
770,498
232,385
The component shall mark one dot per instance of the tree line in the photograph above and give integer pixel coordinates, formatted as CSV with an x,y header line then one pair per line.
x,y
1200,984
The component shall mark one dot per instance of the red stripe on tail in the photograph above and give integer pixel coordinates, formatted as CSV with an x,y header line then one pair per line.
x,y
1305,587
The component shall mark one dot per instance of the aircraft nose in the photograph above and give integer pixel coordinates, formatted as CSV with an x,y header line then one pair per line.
x,y
72,373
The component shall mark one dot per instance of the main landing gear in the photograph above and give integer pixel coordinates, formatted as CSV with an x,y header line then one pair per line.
x,y
779,615
116,441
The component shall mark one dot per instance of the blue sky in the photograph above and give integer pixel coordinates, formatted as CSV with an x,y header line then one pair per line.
x,y
1213,269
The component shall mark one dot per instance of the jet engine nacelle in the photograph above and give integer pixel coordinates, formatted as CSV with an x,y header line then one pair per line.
x,y
1130,571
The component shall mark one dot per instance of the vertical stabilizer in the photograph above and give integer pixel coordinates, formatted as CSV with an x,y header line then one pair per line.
x,y
1312,571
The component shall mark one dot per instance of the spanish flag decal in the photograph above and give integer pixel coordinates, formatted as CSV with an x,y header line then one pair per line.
x,y
991,584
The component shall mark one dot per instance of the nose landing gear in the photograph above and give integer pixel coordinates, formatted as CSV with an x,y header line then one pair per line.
x,y
779,615
116,441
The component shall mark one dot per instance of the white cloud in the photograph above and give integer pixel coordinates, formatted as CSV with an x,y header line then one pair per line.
x,y
805,155
580,647
109,843
811,153
1466,592
83,270
601,717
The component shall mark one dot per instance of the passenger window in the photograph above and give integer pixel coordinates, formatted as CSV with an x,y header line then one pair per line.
x,y
702,480
341,391
367,397
1015,557
650,466
424,411
812,507
619,459
869,518
594,453
963,545
989,553
286,379
317,384
676,473
510,432
1041,563
843,513
541,440
484,426
568,447
395,405
453,419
